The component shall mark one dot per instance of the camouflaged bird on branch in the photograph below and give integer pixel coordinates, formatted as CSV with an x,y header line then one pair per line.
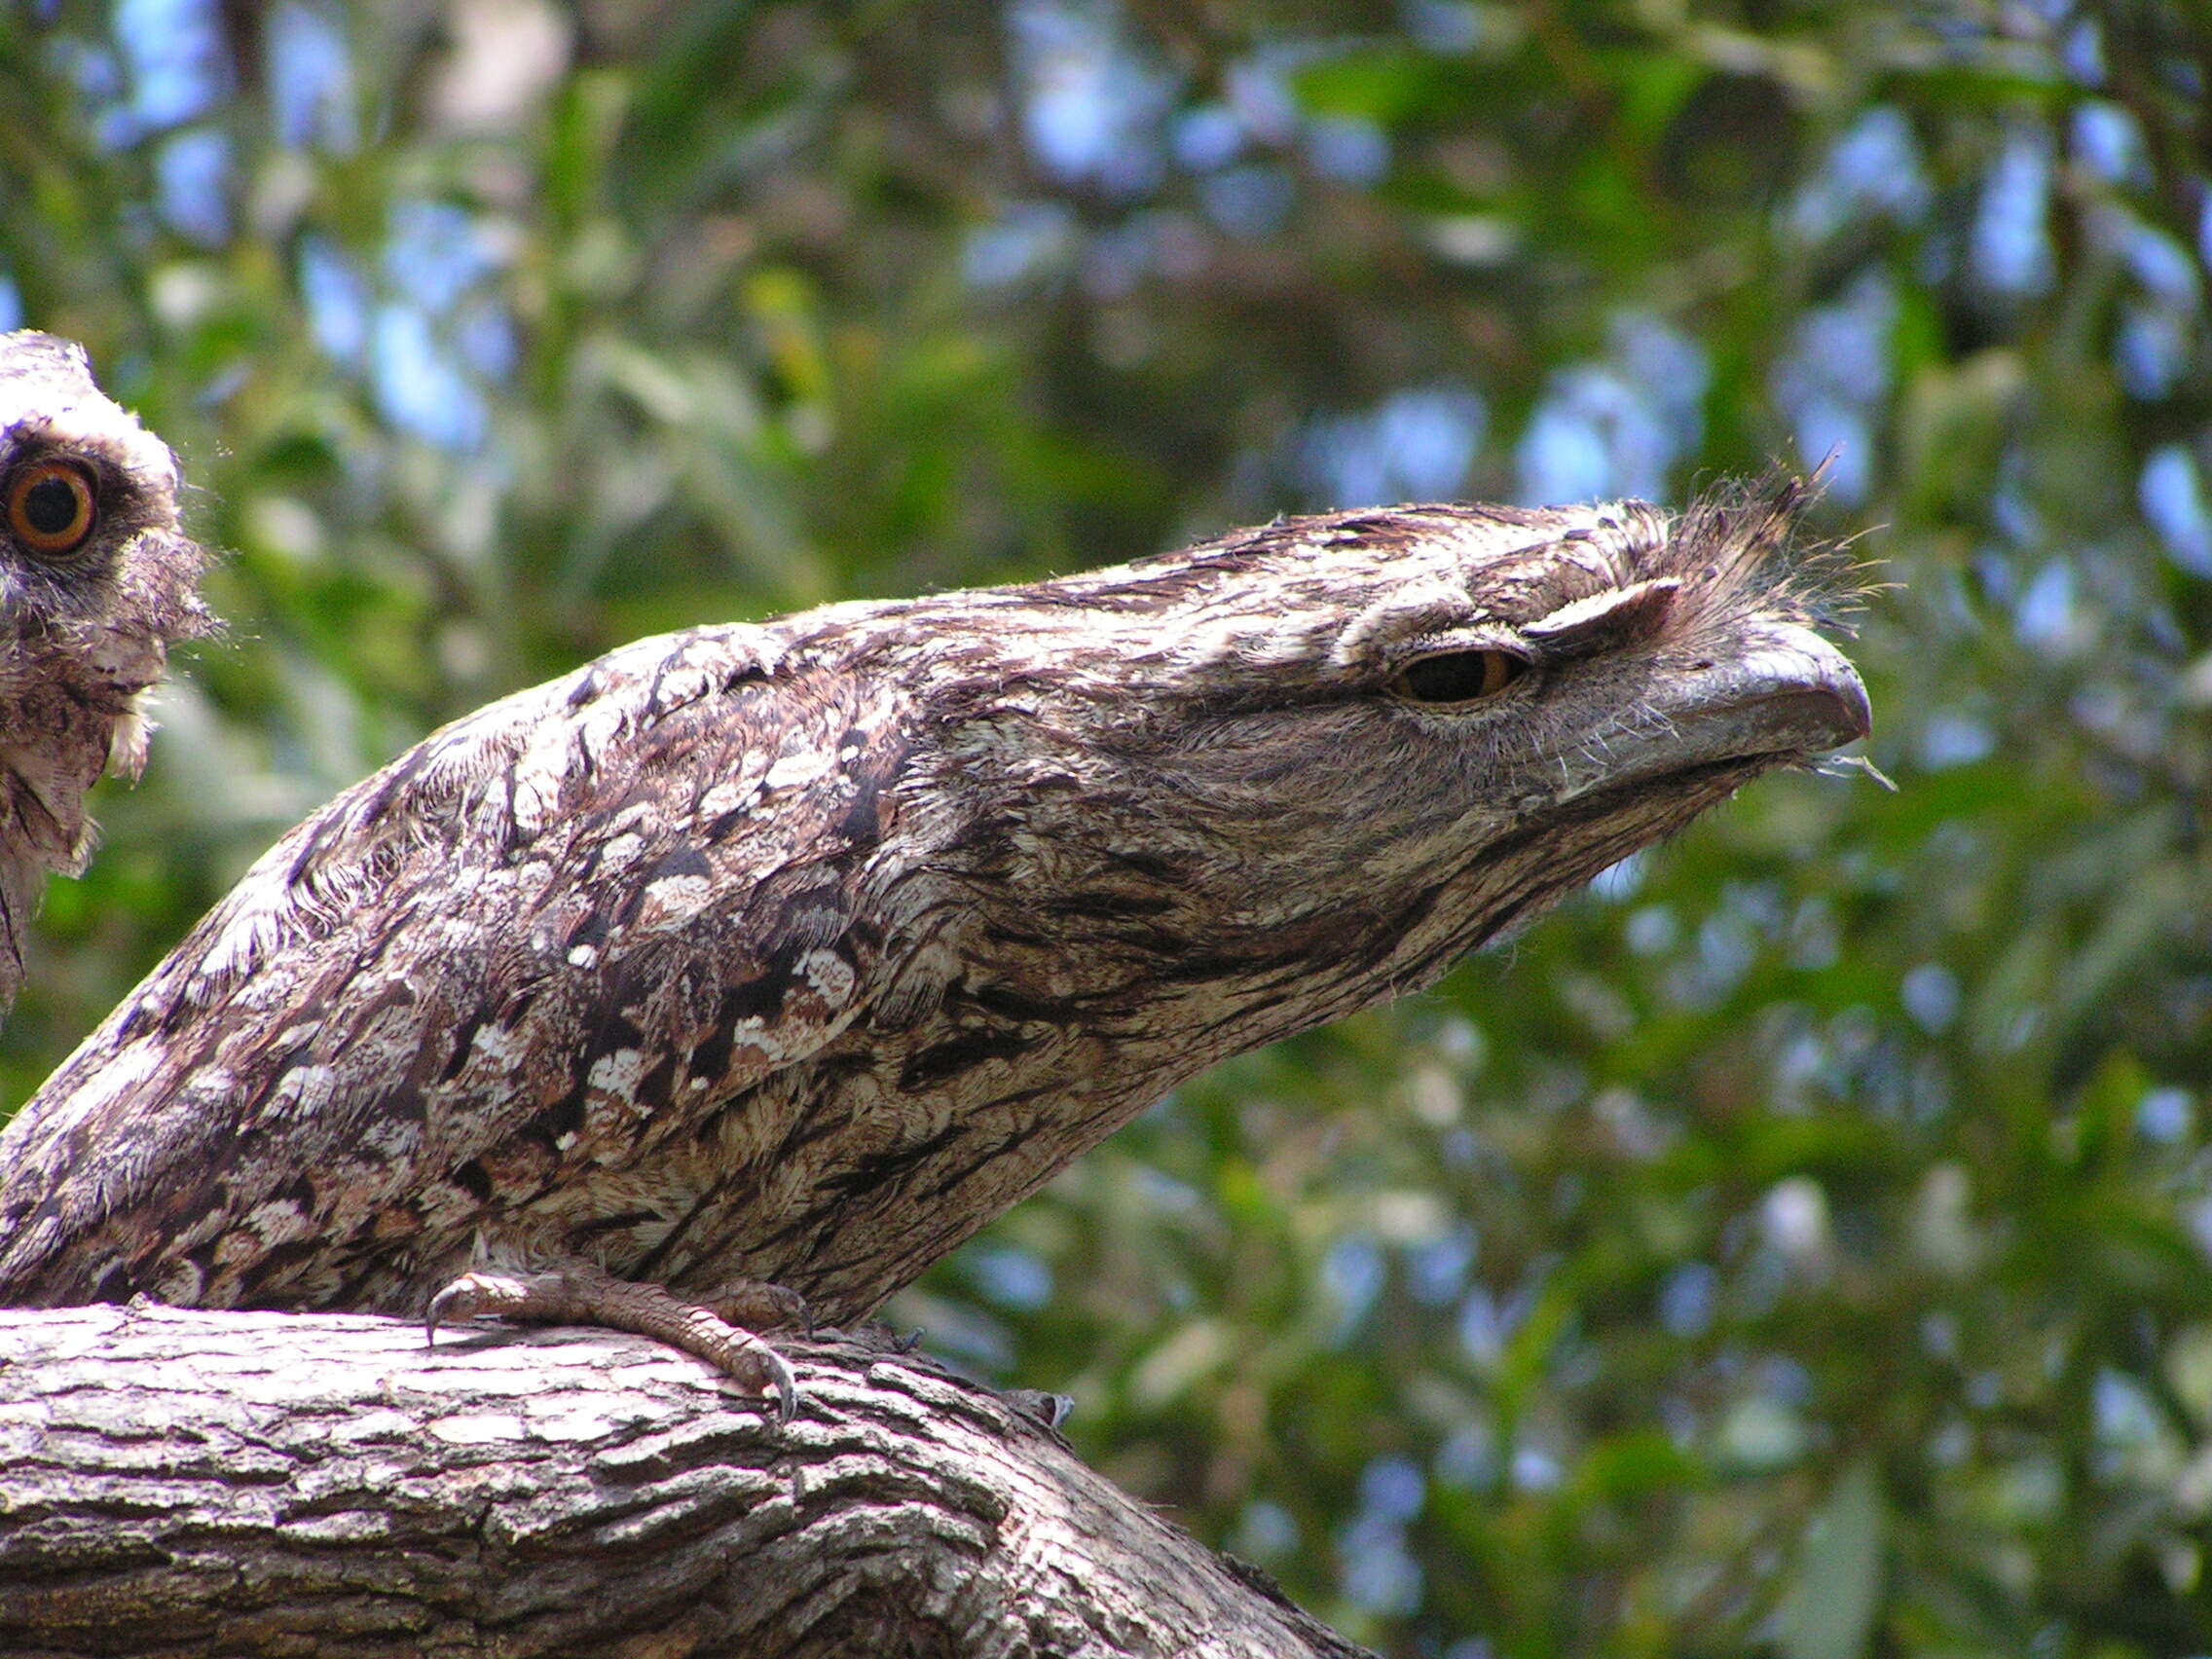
x,y
96,579
756,964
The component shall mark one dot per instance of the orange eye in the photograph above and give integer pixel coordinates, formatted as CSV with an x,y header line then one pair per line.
x,y
51,507
1457,676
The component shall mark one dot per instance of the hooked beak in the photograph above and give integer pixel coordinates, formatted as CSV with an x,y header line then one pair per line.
x,y
1785,696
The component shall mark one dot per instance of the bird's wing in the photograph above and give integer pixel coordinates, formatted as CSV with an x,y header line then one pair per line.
x,y
573,915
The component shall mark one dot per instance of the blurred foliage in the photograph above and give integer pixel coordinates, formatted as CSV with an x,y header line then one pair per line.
x,y
1799,1245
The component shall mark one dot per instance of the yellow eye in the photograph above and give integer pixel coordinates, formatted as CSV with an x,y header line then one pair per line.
x,y
51,507
1457,676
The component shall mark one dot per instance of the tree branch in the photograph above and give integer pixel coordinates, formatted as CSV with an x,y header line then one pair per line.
x,y
182,1481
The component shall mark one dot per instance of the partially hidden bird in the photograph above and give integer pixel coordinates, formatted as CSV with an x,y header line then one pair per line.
x,y
748,969
98,578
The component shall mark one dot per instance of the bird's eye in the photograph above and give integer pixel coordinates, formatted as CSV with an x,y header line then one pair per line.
x,y
51,507
1457,676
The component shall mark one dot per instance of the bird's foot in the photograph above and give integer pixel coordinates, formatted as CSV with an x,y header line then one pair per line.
x,y
1050,1410
579,1294
759,1307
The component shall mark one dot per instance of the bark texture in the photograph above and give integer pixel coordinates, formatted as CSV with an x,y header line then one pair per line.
x,y
183,1482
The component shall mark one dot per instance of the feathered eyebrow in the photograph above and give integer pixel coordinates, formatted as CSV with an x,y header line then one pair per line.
x,y
1507,592
1529,585
1611,617
22,430
1364,642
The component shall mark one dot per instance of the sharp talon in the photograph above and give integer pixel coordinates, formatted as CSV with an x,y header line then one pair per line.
x,y
1051,1410
460,1300
787,1388
436,1314
753,1361
793,1311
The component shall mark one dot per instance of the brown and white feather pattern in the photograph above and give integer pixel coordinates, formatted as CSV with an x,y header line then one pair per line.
x,y
799,951
84,627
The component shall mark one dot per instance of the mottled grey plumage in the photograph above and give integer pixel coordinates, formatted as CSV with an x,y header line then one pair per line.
x,y
96,577
791,954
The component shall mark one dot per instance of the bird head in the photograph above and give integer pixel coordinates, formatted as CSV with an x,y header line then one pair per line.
x,y
96,577
1408,730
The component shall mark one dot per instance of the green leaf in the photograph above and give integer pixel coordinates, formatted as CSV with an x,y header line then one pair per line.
x,y
1829,1612
1381,85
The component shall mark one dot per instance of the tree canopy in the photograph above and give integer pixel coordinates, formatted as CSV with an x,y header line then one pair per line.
x,y
1801,1243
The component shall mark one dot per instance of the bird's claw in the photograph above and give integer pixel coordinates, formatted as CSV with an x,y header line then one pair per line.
x,y
475,1293
716,1332
783,1380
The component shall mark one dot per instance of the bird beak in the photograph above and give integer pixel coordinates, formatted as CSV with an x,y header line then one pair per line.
x,y
1782,695
1790,692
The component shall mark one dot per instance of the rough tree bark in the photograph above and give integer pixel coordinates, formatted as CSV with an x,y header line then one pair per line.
x,y
183,1482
